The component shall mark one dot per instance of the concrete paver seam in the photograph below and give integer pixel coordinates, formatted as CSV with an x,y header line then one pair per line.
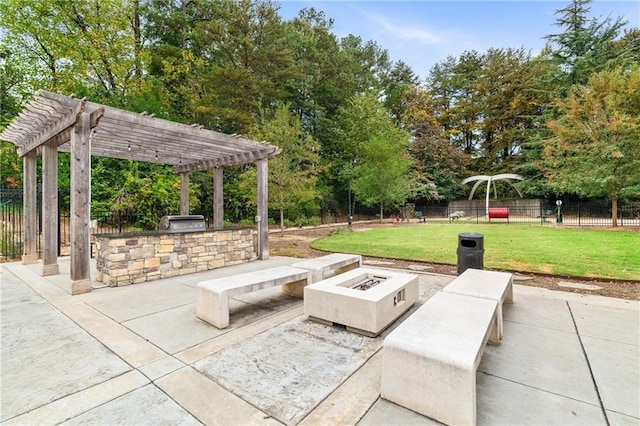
x,y
586,358
343,382
229,332
537,388
369,409
155,312
541,327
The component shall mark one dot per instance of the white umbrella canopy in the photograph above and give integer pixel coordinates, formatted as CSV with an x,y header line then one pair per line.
x,y
507,177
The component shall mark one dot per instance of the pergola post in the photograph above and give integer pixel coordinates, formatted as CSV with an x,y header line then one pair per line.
x,y
184,193
29,202
50,208
263,213
80,205
218,198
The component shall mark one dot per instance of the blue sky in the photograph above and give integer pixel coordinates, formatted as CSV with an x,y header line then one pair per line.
x,y
423,33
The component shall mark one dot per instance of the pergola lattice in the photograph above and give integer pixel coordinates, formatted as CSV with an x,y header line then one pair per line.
x,y
51,122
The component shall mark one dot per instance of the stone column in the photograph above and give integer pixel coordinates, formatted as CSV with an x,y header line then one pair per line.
x,y
30,207
50,208
80,205
218,198
263,212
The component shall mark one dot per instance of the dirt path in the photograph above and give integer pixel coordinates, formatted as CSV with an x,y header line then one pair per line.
x,y
297,243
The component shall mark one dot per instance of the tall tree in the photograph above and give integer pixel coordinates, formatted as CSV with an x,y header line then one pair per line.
x,y
596,139
375,151
438,164
511,106
250,60
400,80
292,174
583,46
79,47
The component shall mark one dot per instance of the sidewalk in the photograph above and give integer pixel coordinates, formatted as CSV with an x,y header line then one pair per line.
x,y
138,355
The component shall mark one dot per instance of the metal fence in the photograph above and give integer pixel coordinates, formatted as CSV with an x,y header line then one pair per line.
x,y
574,214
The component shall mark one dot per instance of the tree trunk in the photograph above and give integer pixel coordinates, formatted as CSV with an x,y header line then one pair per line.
x,y
281,221
381,205
137,37
614,212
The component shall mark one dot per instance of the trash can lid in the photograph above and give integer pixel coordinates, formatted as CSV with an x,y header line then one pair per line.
x,y
470,235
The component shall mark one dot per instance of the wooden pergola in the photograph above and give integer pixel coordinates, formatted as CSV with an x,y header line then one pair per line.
x,y
50,123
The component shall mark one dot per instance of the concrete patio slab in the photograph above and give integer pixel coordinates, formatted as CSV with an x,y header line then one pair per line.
x,y
542,358
621,420
173,330
541,312
209,402
160,368
603,322
233,336
515,400
289,369
137,300
353,398
538,375
385,413
617,374
40,345
75,404
144,406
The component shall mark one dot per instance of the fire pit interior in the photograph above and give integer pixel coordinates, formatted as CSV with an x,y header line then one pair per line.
x,y
367,283
365,300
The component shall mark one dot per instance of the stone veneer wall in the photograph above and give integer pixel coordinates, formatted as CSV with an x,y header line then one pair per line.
x,y
124,259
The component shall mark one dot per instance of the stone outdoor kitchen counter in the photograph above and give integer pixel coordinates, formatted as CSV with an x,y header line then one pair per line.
x,y
131,258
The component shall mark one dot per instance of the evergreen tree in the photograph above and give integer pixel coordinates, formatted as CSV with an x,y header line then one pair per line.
x,y
596,138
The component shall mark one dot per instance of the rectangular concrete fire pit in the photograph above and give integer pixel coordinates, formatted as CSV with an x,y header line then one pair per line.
x,y
365,300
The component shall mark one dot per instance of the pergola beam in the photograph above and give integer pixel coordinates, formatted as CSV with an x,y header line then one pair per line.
x,y
49,129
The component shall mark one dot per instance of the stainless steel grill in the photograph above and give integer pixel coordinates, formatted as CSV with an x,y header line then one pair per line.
x,y
190,223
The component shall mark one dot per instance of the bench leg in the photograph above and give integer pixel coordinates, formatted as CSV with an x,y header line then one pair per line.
x,y
345,268
495,333
508,299
295,289
213,307
442,391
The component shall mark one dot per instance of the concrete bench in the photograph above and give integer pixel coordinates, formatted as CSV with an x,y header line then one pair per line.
x,y
429,361
212,298
491,285
329,265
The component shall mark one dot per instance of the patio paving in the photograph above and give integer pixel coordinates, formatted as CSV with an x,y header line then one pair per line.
x,y
139,355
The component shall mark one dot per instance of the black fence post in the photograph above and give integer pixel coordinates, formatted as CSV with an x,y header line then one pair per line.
x,y
579,214
620,214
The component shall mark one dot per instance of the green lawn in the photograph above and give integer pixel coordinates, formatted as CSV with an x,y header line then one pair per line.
x,y
599,253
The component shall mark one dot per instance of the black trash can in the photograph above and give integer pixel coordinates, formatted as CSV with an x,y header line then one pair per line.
x,y
470,251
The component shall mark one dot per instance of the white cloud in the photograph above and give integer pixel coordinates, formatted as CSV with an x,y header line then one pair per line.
x,y
406,32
